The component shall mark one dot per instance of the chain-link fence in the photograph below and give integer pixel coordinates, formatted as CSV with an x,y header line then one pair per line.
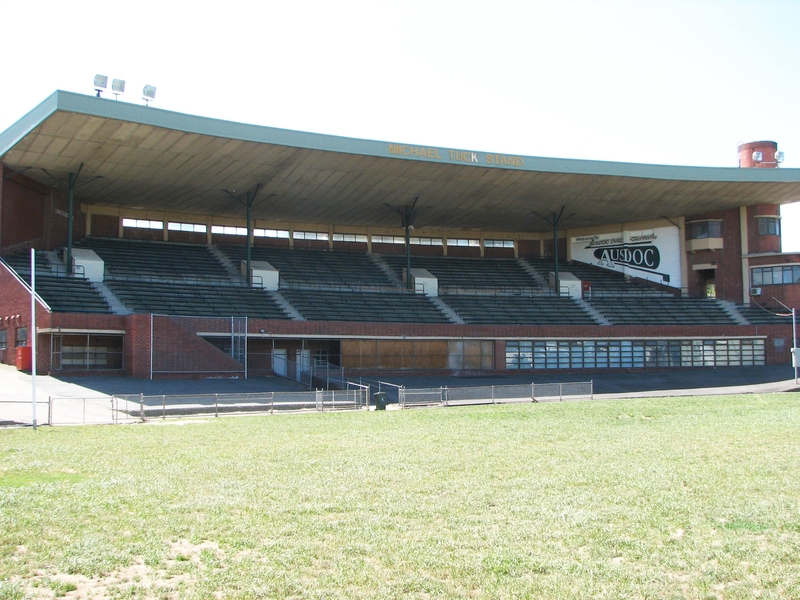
x,y
494,394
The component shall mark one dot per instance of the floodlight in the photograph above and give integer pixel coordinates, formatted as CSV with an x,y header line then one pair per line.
x,y
100,83
758,156
118,87
148,94
778,157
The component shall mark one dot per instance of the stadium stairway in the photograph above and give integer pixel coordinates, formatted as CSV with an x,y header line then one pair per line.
x,y
226,263
530,270
733,312
599,318
116,305
381,264
282,302
447,311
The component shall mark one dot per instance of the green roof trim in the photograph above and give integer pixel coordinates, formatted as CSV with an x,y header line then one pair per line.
x,y
156,117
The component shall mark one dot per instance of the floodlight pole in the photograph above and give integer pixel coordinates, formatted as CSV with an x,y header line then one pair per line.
x,y
795,358
556,218
70,184
32,335
248,199
408,215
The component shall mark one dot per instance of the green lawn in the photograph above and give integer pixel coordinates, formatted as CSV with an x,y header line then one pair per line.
x,y
649,498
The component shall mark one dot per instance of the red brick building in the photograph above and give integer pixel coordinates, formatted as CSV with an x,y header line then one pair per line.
x,y
115,171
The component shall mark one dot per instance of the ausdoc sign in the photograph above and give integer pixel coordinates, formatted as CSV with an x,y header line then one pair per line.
x,y
647,258
653,254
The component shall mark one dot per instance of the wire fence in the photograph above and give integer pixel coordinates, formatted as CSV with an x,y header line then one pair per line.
x,y
131,408
494,394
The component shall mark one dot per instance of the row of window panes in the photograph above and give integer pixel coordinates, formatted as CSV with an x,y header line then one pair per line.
x,y
349,237
775,275
310,235
142,224
190,227
769,226
84,356
22,337
704,229
617,354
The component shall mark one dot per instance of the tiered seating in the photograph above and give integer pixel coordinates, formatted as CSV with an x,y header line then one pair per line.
x,y
604,282
21,263
633,310
518,310
170,298
468,273
317,305
160,261
62,293
759,316
300,268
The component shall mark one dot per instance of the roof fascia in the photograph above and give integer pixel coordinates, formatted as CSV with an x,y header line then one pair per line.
x,y
12,136
156,117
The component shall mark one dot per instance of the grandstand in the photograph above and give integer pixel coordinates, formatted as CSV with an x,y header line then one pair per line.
x,y
155,263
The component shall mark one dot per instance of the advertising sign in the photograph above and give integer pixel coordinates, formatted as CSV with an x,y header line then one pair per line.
x,y
652,254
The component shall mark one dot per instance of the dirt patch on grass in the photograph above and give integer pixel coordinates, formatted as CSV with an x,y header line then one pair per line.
x,y
170,579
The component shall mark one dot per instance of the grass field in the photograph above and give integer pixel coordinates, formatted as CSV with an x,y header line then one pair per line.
x,y
649,498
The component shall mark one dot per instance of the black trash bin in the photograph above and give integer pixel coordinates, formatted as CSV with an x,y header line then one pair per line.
x,y
380,400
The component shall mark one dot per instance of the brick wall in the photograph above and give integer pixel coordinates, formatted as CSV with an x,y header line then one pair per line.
x,y
15,312
761,243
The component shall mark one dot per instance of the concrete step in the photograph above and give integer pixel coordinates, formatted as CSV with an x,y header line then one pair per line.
x,y
117,307
286,305
599,318
451,315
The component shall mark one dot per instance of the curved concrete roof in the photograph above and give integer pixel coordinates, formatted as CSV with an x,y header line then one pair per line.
x,y
154,159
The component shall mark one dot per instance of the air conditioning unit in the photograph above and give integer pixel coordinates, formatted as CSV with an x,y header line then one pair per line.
x,y
755,291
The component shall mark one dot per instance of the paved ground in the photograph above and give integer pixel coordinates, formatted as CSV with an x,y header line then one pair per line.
x,y
91,396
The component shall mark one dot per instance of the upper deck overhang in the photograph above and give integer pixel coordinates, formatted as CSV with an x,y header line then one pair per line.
x,y
152,159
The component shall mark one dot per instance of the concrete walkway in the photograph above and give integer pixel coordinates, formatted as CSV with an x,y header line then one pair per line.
x,y
16,400
89,399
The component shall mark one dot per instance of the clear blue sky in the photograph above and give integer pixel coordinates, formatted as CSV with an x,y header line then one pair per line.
x,y
670,82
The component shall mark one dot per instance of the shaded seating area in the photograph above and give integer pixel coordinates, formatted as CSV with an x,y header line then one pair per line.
x,y
166,261
756,315
69,294
62,293
661,311
604,282
518,310
397,307
467,273
195,299
300,268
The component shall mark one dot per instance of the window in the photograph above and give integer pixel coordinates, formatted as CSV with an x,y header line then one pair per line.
x,y
769,226
462,242
421,241
271,233
775,275
191,227
618,354
388,239
699,230
349,237
310,235
142,224
228,230
22,336
498,243
3,339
